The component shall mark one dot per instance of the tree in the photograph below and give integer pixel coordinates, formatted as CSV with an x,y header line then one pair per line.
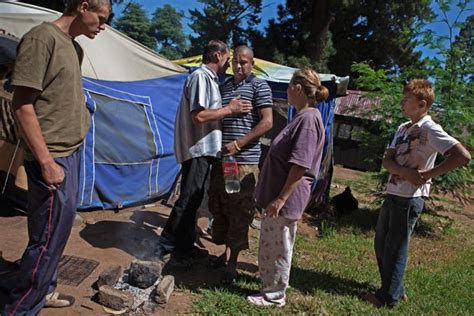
x,y
384,33
451,70
336,33
224,20
167,29
455,87
136,24
296,38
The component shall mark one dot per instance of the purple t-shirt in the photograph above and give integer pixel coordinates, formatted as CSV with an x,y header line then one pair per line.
x,y
301,143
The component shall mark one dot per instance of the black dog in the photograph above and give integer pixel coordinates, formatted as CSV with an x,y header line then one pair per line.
x,y
345,202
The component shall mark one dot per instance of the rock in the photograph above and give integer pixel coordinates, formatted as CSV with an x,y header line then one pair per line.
x,y
164,289
115,299
110,276
144,274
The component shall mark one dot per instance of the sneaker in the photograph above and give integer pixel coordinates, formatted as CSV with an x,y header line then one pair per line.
x,y
261,300
371,299
196,253
179,261
58,300
256,223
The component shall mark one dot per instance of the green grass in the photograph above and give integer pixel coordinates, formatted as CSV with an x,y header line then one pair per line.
x,y
329,273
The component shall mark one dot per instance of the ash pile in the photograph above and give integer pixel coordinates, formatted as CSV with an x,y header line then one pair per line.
x,y
139,289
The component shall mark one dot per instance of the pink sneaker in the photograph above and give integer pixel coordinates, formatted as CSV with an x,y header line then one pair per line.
x,y
261,300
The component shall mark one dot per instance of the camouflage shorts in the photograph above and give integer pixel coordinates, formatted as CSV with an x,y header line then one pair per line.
x,y
232,213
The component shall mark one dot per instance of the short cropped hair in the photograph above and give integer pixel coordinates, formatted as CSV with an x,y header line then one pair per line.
x,y
422,89
94,5
245,50
311,84
211,48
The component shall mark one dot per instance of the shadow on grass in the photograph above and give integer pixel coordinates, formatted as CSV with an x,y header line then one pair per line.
x,y
200,277
362,220
309,281
302,280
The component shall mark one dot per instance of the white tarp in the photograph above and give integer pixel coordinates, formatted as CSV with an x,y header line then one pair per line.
x,y
110,56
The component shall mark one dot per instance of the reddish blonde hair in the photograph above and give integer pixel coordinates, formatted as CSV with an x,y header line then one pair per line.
x,y
311,84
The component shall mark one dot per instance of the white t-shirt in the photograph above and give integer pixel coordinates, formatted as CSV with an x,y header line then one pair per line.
x,y
416,146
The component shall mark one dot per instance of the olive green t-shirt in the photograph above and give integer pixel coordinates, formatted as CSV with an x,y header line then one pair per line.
x,y
49,60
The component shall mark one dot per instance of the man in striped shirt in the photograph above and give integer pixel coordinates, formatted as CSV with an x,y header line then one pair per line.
x,y
233,213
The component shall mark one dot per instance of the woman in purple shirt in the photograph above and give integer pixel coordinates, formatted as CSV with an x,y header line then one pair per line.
x,y
284,186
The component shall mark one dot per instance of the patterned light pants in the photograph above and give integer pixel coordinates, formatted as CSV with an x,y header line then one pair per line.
x,y
277,238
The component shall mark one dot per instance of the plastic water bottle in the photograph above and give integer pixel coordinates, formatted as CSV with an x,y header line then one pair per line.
x,y
230,169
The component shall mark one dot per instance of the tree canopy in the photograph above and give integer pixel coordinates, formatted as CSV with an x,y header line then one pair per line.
x,y
230,21
136,24
167,29
332,35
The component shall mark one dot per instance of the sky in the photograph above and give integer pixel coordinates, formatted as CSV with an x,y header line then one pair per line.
x,y
270,11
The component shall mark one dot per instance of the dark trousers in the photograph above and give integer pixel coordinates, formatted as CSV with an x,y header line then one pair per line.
x,y
180,230
51,215
395,225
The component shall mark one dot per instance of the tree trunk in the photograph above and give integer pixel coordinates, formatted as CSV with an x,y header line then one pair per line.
x,y
318,25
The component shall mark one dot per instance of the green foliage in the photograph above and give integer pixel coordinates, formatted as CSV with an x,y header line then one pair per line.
x,y
453,70
136,24
382,120
230,21
167,29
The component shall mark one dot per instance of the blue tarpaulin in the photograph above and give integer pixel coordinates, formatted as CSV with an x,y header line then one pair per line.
x,y
127,156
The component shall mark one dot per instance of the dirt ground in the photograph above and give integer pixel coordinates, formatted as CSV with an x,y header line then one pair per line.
x,y
118,238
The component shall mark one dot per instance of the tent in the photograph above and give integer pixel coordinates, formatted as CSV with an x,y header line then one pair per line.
x,y
132,94
278,77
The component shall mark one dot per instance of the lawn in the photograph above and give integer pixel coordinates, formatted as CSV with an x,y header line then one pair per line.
x,y
330,272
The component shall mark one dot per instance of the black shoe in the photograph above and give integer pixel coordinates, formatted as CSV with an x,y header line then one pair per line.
x,y
181,261
194,252
217,262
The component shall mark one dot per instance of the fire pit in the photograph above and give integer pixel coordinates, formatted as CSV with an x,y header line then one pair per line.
x,y
141,288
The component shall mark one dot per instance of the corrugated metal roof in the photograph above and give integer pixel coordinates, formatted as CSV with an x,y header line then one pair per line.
x,y
357,104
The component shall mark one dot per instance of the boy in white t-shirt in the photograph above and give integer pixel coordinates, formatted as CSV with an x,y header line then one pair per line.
x,y
410,159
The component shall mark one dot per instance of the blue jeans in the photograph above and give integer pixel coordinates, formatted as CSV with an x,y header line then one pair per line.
x,y
395,224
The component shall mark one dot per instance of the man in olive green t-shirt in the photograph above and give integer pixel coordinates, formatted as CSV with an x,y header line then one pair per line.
x,y
49,108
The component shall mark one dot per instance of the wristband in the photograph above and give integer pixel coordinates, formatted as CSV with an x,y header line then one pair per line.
x,y
237,146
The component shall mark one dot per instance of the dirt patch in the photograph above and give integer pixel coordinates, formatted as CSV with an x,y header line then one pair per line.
x,y
347,174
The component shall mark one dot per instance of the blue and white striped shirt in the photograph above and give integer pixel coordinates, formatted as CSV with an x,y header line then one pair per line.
x,y
259,93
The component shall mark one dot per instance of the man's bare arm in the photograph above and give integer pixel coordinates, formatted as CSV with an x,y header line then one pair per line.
x,y
23,109
455,157
263,126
